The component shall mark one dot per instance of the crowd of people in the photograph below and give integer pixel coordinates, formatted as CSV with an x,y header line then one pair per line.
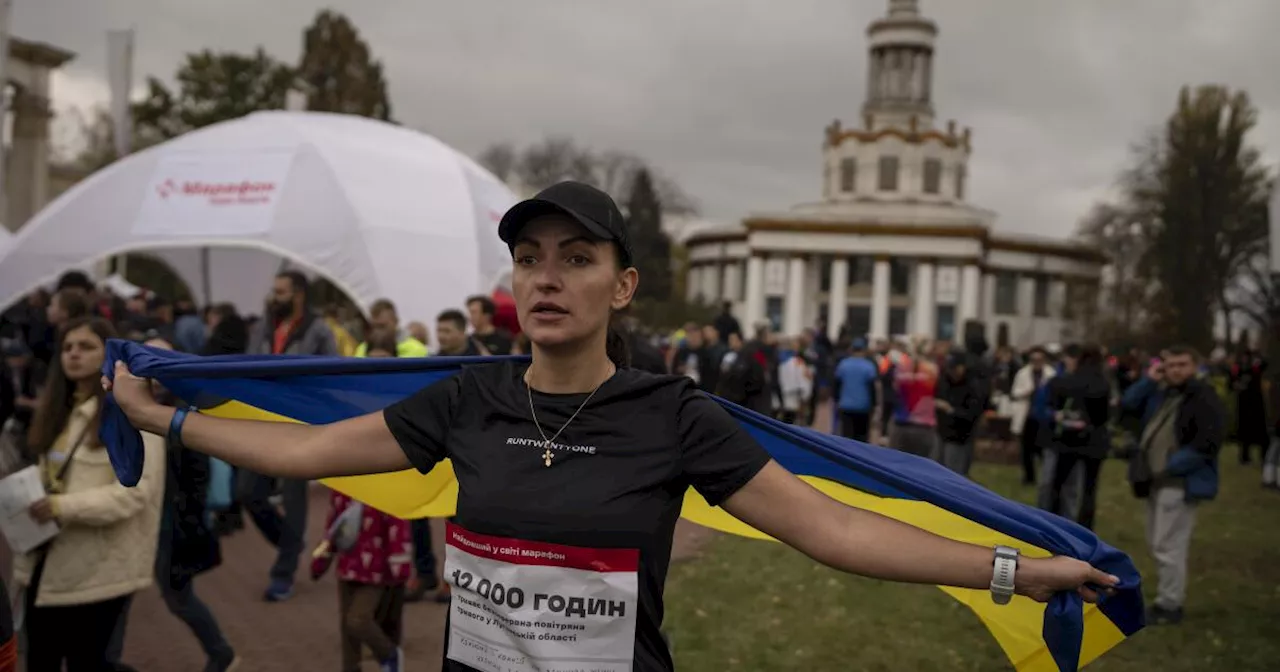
x,y
1067,409
116,540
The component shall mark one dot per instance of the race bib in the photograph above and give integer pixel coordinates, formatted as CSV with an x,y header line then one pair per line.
x,y
526,606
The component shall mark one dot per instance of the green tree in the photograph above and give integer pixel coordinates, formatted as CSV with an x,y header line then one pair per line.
x,y
339,72
1200,192
212,87
650,242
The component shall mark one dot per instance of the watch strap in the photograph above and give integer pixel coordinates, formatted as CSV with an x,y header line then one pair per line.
x,y
1004,568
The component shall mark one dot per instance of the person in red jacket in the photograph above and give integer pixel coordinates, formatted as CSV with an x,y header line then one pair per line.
x,y
375,558
374,552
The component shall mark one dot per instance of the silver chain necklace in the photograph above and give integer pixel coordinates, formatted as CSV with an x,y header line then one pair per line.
x,y
547,455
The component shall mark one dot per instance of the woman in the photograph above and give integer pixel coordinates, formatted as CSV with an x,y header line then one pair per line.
x,y
78,585
1081,403
572,469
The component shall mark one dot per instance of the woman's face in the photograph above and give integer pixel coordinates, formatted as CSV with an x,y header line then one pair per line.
x,y
82,354
566,283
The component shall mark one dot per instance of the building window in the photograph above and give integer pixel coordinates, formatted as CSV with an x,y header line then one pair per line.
x,y
1006,293
848,175
860,270
960,175
1002,335
897,321
932,176
888,173
773,312
899,278
945,319
859,322
824,274
1040,301
742,280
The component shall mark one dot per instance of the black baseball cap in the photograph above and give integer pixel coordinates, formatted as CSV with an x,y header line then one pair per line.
x,y
582,203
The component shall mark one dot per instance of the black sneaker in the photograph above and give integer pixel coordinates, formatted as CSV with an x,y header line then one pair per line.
x,y
1158,615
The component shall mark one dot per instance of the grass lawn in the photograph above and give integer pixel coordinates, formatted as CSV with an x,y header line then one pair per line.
x,y
752,605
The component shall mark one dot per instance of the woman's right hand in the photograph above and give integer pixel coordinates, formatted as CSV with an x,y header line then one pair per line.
x,y
133,395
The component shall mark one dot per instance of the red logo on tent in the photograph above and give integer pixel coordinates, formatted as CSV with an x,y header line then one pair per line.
x,y
165,188
219,193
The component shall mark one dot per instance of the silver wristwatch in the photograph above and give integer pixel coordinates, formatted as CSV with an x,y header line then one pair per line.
x,y
1003,570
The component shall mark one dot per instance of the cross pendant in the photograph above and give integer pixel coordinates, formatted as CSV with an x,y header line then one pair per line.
x,y
546,457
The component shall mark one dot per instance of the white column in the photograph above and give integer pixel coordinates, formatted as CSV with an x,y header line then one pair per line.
x,y
793,321
926,307
732,290
970,288
988,303
838,302
754,300
692,283
711,283
880,299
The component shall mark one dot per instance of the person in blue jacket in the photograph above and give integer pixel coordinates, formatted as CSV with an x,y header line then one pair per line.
x,y
1176,466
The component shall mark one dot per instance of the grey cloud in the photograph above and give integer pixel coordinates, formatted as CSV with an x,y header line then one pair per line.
x,y
730,97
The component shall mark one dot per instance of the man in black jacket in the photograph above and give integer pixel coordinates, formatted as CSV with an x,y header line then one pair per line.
x,y
1176,468
958,403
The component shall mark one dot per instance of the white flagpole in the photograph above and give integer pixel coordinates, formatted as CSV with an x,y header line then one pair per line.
x,y
120,77
5,10
120,80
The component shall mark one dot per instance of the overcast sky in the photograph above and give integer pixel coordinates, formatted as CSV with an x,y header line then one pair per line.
x,y
730,97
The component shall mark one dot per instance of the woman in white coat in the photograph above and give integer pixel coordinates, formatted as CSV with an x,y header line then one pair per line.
x,y
78,584
1025,424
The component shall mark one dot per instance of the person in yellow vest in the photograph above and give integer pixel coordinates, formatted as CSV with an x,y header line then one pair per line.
x,y
346,343
382,315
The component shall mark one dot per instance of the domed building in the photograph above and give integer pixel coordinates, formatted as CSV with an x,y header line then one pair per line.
x,y
893,248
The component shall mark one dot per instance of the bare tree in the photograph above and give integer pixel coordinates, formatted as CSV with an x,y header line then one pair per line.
x,y
555,159
500,159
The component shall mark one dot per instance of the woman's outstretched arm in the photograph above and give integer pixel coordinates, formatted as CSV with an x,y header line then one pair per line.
x,y
867,543
362,445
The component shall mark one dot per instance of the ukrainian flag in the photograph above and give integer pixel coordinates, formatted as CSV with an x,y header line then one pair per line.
x,y
1061,635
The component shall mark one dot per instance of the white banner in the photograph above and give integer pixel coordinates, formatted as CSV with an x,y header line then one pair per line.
x,y
524,606
214,195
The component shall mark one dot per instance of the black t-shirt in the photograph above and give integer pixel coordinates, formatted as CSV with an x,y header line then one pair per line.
x,y
497,342
613,490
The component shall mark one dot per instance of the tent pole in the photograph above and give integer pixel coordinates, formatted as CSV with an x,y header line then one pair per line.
x,y
205,284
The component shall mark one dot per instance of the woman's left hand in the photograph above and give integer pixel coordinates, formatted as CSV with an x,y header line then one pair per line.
x,y
1040,578
42,511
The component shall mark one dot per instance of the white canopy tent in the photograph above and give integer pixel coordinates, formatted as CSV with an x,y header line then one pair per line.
x,y
380,210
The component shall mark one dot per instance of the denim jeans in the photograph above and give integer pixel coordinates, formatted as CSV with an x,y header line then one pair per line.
x,y
286,532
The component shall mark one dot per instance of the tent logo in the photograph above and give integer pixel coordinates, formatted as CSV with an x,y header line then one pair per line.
x,y
245,192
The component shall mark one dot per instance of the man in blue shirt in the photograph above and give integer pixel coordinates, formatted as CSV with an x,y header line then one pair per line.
x,y
857,392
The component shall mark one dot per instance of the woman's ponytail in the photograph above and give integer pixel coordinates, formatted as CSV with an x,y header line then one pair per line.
x,y
616,345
